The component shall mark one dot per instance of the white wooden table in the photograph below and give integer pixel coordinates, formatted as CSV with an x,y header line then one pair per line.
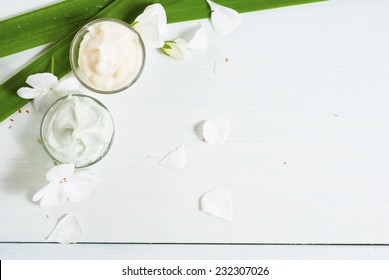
x,y
306,90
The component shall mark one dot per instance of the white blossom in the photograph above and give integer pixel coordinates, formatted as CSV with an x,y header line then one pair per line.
x,y
65,185
45,89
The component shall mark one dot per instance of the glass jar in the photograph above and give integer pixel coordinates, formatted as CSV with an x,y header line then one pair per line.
x,y
77,129
105,49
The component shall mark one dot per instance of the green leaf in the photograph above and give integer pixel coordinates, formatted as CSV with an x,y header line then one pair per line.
x,y
177,10
49,24
46,25
184,10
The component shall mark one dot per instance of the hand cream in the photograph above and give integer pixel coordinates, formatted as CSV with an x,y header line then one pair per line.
x,y
110,55
77,129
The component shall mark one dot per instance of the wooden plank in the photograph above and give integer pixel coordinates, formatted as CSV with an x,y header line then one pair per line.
x,y
190,252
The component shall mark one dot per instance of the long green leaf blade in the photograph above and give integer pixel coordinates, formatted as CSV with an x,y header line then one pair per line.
x,y
185,10
127,11
46,25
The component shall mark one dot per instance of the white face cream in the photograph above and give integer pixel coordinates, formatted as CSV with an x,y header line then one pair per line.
x,y
110,56
77,129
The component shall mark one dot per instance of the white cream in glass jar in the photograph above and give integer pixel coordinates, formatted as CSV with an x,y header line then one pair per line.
x,y
77,129
107,55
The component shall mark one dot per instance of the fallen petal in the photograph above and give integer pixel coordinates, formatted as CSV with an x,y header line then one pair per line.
x,y
224,20
67,230
43,81
198,42
175,159
217,203
216,131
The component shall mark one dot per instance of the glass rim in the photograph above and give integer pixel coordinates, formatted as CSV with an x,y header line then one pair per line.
x,y
82,80
52,106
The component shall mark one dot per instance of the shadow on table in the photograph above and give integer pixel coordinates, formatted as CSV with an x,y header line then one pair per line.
x,y
198,130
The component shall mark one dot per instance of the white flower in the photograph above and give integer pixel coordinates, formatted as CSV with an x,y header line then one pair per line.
x,y
224,20
217,203
65,185
67,230
152,25
46,89
216,131
178,48
175,159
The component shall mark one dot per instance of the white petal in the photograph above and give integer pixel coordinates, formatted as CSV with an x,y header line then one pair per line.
x,y
198,42
68,85
42,192
59,172
152,11
217,203
224,20
28,93
152,25
176,49
216,131
67,230
79,186
150,34
44,81
176,159
52,195
43,102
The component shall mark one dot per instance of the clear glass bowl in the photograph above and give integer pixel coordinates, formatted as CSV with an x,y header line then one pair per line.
x,y
74,55
70,126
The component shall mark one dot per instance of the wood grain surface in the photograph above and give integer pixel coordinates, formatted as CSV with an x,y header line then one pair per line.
x,y
306,90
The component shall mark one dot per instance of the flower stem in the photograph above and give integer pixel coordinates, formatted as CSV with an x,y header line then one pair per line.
x,y
52,64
